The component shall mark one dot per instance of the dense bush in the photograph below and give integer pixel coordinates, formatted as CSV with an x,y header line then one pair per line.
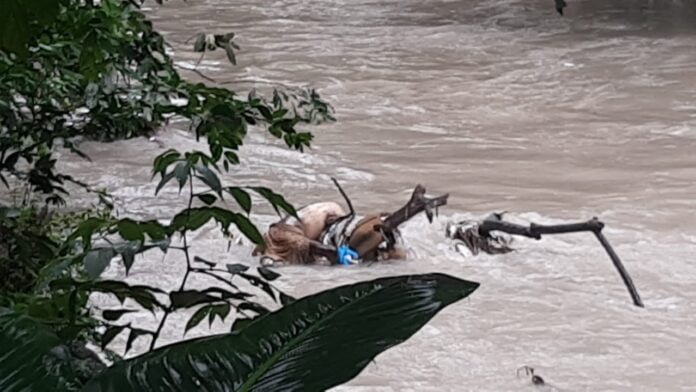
x,y
73,70
102,72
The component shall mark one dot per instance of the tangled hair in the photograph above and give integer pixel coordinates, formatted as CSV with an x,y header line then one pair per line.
x,y
287,243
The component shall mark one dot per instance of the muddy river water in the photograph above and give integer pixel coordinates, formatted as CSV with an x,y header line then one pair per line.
x,y
506,106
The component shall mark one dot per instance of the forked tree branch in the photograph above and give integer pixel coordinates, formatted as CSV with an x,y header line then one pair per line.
x,y
415,206
494,222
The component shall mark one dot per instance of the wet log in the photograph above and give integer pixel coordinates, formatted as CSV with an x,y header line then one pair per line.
x,y
494,222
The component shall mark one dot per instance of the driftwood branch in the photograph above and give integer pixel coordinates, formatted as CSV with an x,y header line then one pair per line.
x,y
494,222
374,230
415,206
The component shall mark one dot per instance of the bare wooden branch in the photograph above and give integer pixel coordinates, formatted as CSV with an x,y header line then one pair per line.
x,y
373,230
494,222
620,267
416,205
345,196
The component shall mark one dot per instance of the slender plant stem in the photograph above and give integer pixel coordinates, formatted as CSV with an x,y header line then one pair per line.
x,y
212,275
185,249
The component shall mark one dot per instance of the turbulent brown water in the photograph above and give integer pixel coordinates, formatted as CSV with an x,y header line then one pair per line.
x,y
506,106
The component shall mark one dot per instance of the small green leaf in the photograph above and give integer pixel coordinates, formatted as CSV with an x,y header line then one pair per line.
x,y
165,179
128,260
134,334
162,244
248,229
268,274
237,268
86,230
232,157
198,218
110,334
115,314
276,200
207,199
241,197
154,229
197,317
226,294
164,160
182,172
285,299
189,298
130,230
128,250
221,310
265,112
144,297
209,178
97,260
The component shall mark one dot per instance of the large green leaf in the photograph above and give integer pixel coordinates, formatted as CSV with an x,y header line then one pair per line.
x,y
29,350
312,344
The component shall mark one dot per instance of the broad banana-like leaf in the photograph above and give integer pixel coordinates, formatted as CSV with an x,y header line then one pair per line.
x,y
312,344
31,357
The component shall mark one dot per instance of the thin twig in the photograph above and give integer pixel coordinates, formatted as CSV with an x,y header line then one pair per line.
x,y
199,73
209,273
170,308
200,58
345,196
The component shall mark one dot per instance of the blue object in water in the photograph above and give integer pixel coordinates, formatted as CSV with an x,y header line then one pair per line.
x,y
346,255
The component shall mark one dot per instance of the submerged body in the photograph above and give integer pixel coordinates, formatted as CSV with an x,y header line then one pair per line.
x,y
290,239
323,230
294,241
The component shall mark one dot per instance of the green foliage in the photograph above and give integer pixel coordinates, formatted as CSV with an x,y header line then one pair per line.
x,y
73,70
24,249
33,358
31,240
313,344
22,19
101,72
